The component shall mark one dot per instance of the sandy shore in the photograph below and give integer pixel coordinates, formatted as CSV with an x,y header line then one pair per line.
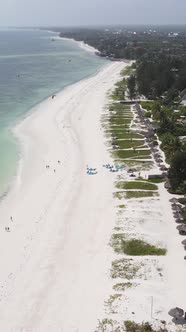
x,y
55,259
81,44
145,288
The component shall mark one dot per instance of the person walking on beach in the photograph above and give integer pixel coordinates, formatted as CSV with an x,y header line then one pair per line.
x,y
11,218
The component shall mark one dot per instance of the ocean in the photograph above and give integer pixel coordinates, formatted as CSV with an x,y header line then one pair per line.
x,y
32,67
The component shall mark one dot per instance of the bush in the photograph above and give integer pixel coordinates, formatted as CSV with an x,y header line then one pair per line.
x,y
182,200
136,185
134,327
136,247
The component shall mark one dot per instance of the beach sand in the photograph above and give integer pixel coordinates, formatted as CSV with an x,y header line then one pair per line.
x,y
55,260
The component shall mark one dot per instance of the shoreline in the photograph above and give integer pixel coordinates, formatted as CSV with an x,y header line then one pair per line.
x,y
11,128
81,44
41,204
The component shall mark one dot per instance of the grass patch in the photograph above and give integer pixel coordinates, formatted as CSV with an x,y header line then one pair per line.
x,y
121,206
108,325
125,269
138,194
122,154
134,194
136,247
122,286
127,144
141,158
138,164
150,180
112,303
136,185
143,327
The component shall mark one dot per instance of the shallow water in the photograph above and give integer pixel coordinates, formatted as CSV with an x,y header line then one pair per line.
x,y
32,67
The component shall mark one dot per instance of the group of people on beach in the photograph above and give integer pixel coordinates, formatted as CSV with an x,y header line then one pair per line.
x,y
111,168
48,166
7,229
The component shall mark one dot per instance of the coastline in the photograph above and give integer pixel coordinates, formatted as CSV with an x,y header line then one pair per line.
x,y
81,44
40,204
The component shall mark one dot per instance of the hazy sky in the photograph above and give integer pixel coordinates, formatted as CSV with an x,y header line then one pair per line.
x,y
91,12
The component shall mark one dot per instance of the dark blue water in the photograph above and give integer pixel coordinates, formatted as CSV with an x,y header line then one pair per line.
x,y
32,67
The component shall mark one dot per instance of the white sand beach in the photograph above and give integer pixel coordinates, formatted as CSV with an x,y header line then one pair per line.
x,y
81,44
55,259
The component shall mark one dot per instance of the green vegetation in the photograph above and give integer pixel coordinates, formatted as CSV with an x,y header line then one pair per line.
x,y
136,247
131,84
177,171
134,327
127,144
127,71
119,92
121,206
125,269
156,180
169,129
107,325
182,200
134,194
120,42
112,302
123,286
136,185
153,180
122,154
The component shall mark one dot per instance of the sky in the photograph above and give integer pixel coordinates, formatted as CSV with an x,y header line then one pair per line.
x,y
91,12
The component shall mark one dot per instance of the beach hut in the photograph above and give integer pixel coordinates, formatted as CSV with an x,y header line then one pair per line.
x,y
163,168
176,207
182,229
173,200
176,312
179,221
167,184
177,215
159,161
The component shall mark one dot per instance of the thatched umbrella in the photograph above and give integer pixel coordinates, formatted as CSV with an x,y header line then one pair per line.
x,y
173,200
159,160
156,151
177,215
184,242
167,185
164,174
157,155
182,229
176,312
163,168
176,207
179,221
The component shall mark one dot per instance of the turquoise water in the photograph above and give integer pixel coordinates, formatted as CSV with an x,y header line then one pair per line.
x,y
32,67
